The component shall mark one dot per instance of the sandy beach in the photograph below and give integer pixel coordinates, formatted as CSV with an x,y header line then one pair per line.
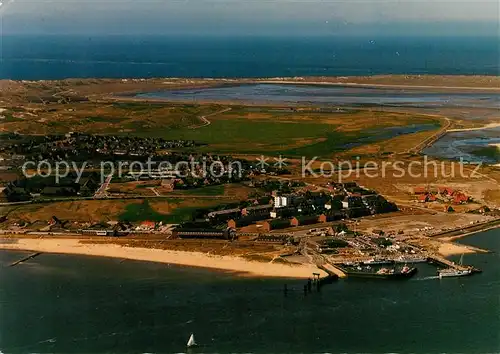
x,y
447,249
487,126
193,259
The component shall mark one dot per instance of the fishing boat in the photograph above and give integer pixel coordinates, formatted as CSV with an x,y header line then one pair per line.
x,y
191,342
382,273
380,261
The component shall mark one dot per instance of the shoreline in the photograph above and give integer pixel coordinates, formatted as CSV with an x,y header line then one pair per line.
x,y
487,126
287,81
475,82
468,230
448,248
210,83
236,265
467,234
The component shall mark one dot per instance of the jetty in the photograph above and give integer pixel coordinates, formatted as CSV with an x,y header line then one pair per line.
x,y
332,270
24,259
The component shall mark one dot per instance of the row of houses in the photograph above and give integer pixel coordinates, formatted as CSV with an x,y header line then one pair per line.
x,y
446,194
283,223
302,210
255,213
202,233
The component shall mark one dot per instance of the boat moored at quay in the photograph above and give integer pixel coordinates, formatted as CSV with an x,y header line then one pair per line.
x,y
408,260
359,271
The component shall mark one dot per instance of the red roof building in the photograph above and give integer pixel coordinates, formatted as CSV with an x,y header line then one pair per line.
x,y
429,197
460,198
446,191
148,224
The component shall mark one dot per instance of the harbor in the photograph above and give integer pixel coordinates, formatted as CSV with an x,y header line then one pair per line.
x,y
341,307
359,271
401,268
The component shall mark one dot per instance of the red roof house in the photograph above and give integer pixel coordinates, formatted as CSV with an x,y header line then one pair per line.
x,y
460,198
446,191
148,224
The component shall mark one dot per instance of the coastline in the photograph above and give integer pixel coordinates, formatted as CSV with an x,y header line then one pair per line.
x,y
467,231
236,265
487,126
448,248
304,81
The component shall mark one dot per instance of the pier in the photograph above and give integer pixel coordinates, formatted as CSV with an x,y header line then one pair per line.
x,y
317,282
24,259
332,270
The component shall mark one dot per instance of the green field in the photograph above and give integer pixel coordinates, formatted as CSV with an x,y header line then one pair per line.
x,y
491,152
142,211
251,136
290,138
247,130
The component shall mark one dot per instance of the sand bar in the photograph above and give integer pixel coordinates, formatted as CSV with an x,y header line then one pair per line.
x,y
288,81
193,259
487,126
447,249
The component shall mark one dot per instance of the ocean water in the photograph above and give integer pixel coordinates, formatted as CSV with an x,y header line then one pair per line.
x,y
327,95
56,57
454,145
71,304
465,145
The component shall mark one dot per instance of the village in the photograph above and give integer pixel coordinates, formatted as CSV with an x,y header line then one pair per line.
x,y
126,159
290,223
205,194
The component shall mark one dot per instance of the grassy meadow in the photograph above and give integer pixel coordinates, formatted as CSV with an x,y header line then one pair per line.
x,y
242,129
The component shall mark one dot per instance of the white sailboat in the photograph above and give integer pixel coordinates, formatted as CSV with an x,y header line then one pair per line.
x,y
191,343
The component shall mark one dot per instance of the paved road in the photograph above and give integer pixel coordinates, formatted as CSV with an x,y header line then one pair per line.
x,y
101,192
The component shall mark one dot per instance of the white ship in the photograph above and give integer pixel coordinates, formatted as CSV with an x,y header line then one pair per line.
x,y
454,272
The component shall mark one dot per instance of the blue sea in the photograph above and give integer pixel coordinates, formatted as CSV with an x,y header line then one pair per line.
x,y
76,304
58,56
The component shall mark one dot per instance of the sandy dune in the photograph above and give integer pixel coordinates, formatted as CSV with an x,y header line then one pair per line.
x,y
194,259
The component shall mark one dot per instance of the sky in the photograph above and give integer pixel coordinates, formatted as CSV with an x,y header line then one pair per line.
x,y
333,17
